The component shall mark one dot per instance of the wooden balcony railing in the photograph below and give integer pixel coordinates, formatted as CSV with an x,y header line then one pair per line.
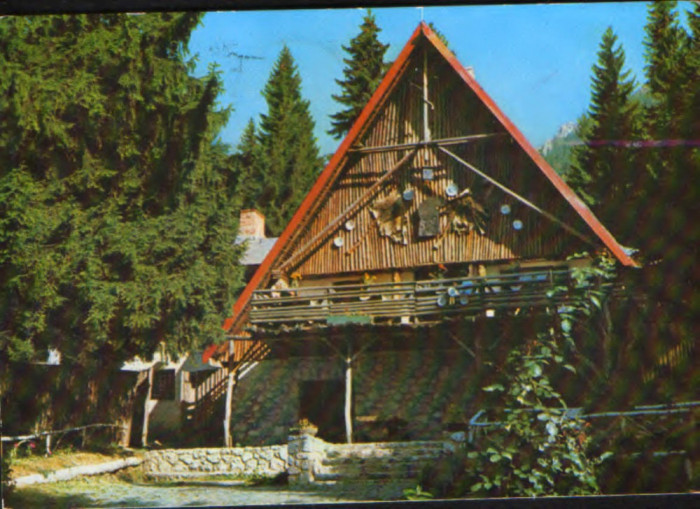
x,y
410,301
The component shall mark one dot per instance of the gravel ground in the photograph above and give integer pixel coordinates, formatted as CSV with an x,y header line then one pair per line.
x,y
96,493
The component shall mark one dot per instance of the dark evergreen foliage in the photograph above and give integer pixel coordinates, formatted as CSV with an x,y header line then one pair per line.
x,y
656,208
285,158
247,162
364,70
663,44
116,219
672,232
604,173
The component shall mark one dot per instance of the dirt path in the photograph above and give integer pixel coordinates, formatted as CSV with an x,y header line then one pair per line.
x,y
106,491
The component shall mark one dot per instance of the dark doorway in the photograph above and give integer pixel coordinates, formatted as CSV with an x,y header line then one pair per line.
x,y
322,402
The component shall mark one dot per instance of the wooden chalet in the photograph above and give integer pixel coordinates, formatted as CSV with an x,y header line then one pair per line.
x,y
434,222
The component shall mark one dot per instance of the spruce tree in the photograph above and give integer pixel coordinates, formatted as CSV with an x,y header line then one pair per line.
x,y
115,220
247,162
691,90
289,158
672,75
604,171
663,44
363,71
674,199
665,53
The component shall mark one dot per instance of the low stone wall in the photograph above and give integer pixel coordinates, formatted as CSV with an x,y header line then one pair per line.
x,y
306,459
267,461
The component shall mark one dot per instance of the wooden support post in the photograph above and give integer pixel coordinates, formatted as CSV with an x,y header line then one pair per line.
x,y
348,398
48,445
228,441
146,409
607,333
462,344
478,346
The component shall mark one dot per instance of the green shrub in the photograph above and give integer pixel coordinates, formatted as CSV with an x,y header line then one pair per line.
x,y
6,470
536,449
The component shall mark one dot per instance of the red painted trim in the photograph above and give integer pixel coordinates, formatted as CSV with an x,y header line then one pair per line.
x,y
302,215
581,208
211,349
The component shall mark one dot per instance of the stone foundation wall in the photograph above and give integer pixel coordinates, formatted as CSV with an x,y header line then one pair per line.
x,y
398,396
245,461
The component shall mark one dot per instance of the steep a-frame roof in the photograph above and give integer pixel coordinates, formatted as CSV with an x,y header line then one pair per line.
x,y
423,37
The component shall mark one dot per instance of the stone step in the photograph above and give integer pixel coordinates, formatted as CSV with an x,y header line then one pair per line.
x,y
399,447
376,468
346,460
397,471
354,453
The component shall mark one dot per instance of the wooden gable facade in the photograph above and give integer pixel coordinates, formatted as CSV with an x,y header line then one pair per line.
x,y
429,142
434,208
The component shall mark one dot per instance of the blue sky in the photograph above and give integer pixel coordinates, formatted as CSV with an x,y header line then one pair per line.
x,y
533,60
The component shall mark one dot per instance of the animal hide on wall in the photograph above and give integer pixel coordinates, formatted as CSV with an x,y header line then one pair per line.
x,y
390,214
468,215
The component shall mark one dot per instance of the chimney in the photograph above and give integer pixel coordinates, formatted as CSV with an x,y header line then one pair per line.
x,y
251,224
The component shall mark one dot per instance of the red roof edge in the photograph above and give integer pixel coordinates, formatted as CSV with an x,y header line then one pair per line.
x,y
581,208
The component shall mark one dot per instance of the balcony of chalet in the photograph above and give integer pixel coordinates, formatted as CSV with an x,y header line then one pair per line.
x,y
418,302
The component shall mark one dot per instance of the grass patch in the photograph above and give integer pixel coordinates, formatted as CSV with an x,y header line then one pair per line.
x,y
39,464
60,494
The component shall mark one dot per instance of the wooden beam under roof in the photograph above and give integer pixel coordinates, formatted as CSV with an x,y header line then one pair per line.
x,y
418,144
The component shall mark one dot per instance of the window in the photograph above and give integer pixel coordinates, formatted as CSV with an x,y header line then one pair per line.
x,y
164,384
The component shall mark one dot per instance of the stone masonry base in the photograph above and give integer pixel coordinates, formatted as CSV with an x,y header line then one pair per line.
x,y
305,459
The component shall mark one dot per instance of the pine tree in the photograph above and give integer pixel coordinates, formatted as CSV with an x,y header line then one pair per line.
x,y
604,171
247,161
691,90
674,200
289,156
665,53
663,47
363,71
672,76
115,220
